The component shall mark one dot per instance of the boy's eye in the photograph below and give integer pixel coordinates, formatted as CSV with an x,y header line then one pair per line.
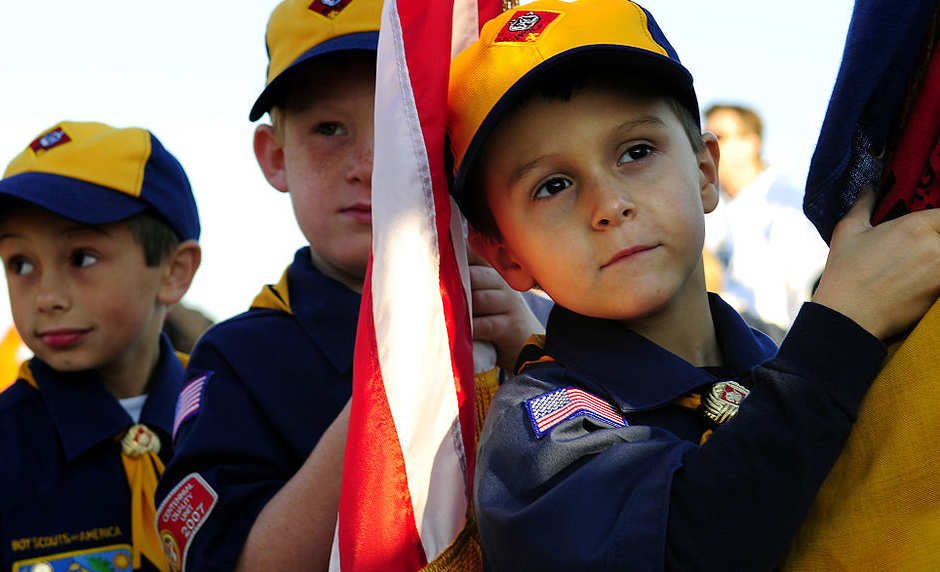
x,y
635,153
83,258
552,187
20,266
330,128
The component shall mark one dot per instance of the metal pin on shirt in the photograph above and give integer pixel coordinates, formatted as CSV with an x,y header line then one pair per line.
x,y
139,440
723,401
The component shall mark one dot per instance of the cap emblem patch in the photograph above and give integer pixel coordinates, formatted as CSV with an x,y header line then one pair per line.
x,y
329,8
526,26
49,140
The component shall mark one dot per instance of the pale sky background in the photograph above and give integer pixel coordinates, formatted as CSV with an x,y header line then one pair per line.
x,y
189,70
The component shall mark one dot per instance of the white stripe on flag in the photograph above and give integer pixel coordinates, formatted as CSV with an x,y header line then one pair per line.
x,y
411,333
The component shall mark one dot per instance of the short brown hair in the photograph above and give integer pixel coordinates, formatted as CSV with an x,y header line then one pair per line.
x,y
154,235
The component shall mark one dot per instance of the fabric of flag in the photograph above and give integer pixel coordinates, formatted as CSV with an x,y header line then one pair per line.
x,y
881,52
549,409
188,402
410,447
879,508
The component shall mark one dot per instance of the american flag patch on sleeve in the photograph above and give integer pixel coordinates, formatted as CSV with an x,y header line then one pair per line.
x,y
188,403
549,409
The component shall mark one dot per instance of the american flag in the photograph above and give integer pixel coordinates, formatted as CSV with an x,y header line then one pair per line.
x,y
410,448
188,402
549,409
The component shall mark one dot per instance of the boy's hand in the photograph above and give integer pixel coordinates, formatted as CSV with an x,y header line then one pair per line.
x,y
500,314
885,277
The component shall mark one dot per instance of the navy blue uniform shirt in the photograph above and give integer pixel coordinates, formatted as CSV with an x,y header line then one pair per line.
x,y
64,495
274,381
591,495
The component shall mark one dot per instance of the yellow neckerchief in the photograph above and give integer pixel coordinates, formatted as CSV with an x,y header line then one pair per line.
x,y
9,360
275,297
143,468
879,508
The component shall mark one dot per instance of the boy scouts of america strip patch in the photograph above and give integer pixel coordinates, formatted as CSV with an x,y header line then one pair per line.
x,y
189,401
549,409
180,516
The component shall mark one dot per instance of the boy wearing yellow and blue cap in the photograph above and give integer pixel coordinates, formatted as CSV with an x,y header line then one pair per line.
x,y
263,387
261,433
651,428
98,231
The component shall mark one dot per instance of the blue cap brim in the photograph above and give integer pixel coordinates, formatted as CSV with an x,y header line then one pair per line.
x,y
73,199
361,41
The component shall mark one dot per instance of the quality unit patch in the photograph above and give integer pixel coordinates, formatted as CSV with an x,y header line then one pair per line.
x,y
180,516
329,8
526,26
49,140
549,409
189,401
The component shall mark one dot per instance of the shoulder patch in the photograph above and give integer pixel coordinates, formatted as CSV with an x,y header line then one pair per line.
x,y
549,409
189,401
180,516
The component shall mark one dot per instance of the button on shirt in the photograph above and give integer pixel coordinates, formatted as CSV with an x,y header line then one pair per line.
x,y
647,496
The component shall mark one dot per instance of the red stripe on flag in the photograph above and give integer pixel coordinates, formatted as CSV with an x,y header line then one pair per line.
x,y
487,10
376,531
377,527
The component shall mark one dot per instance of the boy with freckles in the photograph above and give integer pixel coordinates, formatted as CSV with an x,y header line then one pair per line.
x,y
98,230
262,423
651,428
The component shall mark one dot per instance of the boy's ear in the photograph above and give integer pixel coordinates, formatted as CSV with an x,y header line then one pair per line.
x,y
179,268
269,151
502,258
708,171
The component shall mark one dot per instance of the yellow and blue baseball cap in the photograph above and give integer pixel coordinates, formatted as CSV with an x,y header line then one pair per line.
x,y
97,174
301,30
526,44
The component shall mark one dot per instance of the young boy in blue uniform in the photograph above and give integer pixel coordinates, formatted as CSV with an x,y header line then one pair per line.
x,y
261,433
98,230
653,429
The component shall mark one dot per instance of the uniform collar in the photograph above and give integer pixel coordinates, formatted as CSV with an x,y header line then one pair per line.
x,y
324,309
85,413
638,373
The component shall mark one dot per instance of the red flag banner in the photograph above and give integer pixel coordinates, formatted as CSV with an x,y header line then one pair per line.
x,y
410,449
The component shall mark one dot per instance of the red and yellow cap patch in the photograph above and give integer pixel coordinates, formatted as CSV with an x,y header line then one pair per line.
x,y
526,26
328,8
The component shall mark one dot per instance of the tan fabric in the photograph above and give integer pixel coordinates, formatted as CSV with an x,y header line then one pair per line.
x,y
879,509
